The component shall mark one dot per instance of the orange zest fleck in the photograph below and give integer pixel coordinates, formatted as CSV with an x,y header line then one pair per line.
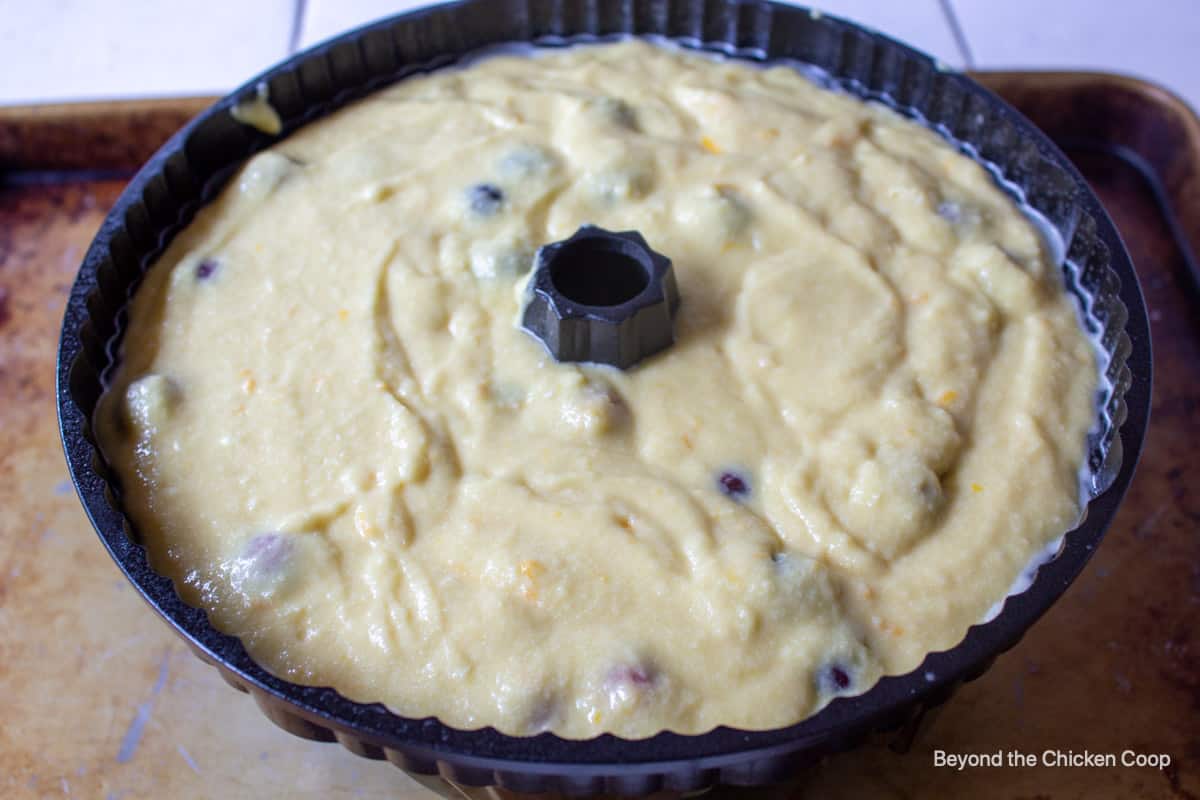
x,y
886,627
532,568
708,144
948,397
975,487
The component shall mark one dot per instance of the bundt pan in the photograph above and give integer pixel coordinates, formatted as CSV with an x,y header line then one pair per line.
x,y
193,166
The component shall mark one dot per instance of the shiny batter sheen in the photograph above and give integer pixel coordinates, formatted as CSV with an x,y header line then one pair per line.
x,y
332,434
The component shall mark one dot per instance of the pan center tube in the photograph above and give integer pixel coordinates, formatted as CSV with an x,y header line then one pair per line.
x,y
601,297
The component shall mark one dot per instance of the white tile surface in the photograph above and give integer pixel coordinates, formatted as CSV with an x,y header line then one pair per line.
x,y
82,49
1154,39
919,22
326,18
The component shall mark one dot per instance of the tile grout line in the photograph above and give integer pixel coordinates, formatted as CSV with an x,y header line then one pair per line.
x,y
956,30
299,11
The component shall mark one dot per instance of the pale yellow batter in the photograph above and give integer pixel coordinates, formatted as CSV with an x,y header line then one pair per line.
x,y
333,435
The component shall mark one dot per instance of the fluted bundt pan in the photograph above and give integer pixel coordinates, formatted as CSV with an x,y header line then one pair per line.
x,y
193,166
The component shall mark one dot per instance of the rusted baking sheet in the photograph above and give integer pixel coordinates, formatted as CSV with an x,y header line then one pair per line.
x,y
101,700
113,136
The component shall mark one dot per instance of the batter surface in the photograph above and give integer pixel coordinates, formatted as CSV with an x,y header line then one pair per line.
x,y
333,436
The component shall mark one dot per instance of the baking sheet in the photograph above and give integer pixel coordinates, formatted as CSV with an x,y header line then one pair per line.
x,y
101,700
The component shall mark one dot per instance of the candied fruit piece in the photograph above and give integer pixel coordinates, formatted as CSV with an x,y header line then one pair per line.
x,y
625,682
631,675
526,161
485,199
950,211
835,678
268,550
206,269
733,484
615,111
261,568
545,714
